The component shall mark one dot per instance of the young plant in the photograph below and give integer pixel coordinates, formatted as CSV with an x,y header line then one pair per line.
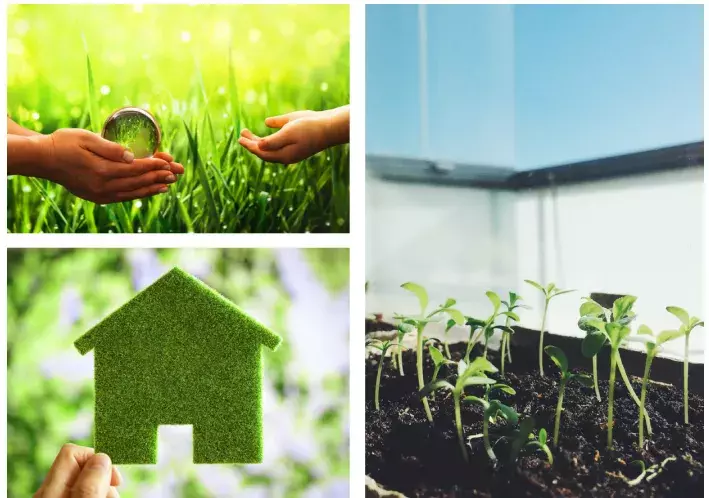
x,y
449,325
510,315
559,358
688,324
468,375
475,325
420,321
593,323
550,291
615,333
438,360
401,330
383,347
491,410
652,347
490,326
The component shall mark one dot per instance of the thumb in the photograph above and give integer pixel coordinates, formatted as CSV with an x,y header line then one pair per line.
x,y
108,150
95,478
278,121
276,141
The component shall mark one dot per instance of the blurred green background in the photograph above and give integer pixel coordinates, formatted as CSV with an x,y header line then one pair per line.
x,y
213,69
56,295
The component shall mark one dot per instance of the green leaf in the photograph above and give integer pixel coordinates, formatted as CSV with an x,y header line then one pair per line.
x,y
456,315
504,388
462,367
449,324
668,335
645,330
524,432
507,412
420,293
582,379
558,357
514,297
482,364
476,400
477,380
513,316
543,436
550,288
622,306
504,328
590,308
436,355
536,285
592,344
434,386
449,302
560,292
679,313
494,299
474,322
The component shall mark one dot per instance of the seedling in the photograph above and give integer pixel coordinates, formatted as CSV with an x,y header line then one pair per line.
x,y
648,473
489,327
491,410
449,325
468,375
594,324
550,291
615,333
383,347
688,324
475,326
438,360
420,323
510,315
401,330
559,358
652,347
591,310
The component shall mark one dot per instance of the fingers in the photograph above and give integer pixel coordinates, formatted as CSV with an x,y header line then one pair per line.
x,y
113,493
137,167
141,193
283,119
94,481
248,134
144,180
252,146
107,149
276,141
165,156
176,168
64,470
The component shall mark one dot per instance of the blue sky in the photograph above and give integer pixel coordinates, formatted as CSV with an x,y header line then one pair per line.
x,y
533,86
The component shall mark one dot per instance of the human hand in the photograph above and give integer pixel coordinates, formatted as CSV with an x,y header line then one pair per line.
x,y
79,473
301,135
101,171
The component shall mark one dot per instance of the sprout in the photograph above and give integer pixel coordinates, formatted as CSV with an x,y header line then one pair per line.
x,y
652,346
549,292
449,325
438,360
648,473
593,323
524,438
688,324
487,327
468,375
615,333
475,325
491,410
383,347
402,329
511,305
559,358
420,322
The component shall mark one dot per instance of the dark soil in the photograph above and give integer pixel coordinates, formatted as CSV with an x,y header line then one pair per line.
x,y
407,454
377,326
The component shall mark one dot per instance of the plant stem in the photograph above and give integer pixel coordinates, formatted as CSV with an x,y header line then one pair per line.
x,y
595,377
631,391
486,438
419,368
550,457
502,355
646,375
557,418
541,338
509,350
686,378
401,360
459,426
435,372
379,378
445,347
611,390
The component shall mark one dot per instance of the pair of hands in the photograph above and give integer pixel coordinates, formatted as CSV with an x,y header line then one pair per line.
x,y
301,134
101,171
79,473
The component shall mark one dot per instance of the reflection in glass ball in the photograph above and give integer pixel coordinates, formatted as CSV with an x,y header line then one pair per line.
x,y
135,129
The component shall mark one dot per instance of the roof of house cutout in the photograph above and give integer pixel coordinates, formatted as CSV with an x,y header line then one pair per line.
x,y
178,353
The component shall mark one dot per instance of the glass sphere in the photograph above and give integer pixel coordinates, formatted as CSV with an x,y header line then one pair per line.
x,y
135,129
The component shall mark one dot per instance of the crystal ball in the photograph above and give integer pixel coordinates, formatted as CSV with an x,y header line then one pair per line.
x,y
135,129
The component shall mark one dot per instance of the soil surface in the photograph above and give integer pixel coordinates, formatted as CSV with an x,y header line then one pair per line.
x,y
377,326
407,454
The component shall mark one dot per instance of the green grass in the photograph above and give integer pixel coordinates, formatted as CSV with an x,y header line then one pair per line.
x,y
205,72
178,353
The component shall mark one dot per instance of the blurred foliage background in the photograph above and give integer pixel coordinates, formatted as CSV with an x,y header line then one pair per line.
x,y
56,295
212,69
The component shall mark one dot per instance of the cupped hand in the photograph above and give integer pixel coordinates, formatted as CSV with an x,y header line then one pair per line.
x,y
301,135
78,472
101,171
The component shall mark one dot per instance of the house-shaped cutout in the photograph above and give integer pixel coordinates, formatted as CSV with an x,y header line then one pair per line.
x,y
178,353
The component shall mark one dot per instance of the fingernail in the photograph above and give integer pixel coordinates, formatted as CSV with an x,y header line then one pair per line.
x,y
101,461
170,178
263,145
128,156
167,166
163,189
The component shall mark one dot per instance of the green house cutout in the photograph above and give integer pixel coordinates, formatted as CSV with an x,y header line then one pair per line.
x,y
178,353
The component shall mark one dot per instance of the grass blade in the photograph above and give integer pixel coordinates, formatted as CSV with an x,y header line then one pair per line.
x,y
202,175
